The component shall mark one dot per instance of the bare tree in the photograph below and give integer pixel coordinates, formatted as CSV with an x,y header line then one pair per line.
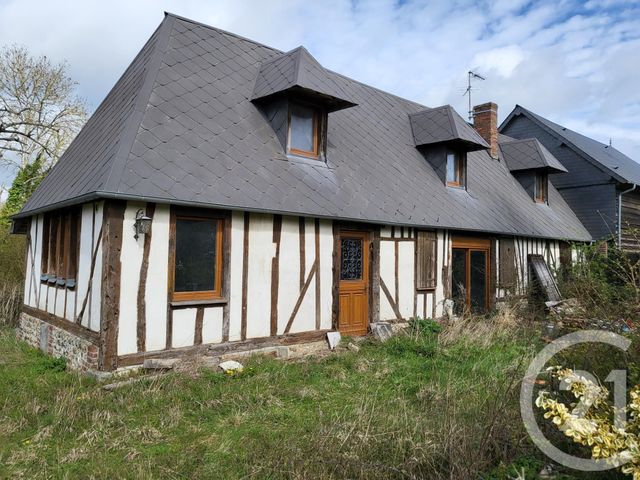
x,y
39,111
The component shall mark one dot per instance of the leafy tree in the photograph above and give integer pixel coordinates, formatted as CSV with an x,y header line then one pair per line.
x,y
40,115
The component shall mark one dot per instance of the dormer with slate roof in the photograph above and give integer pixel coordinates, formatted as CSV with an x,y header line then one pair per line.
x,y
530,163
296,94
444,138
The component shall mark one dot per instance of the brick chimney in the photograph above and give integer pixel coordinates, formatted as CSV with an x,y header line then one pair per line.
x,y
485,121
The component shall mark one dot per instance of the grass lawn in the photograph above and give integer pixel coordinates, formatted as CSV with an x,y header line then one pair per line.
x,y
410,408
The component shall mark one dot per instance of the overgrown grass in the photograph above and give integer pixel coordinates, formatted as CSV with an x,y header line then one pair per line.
x,y
413,407
12,261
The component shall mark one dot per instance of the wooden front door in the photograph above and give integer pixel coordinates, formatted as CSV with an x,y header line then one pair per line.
x,y
353,280
470,274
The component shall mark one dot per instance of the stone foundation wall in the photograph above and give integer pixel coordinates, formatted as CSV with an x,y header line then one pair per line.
x,y
80,353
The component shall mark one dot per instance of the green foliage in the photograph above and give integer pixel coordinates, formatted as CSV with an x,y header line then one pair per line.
x,y
12,258
606,285
424,326
25,183
50,364
364,415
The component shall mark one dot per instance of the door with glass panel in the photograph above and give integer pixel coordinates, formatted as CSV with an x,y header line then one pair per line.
x,y
353,318
470,274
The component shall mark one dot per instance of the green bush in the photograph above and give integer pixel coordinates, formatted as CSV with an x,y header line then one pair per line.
x,y
424,326
607,285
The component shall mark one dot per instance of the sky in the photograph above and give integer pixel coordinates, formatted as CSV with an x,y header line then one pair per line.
x,y
574,62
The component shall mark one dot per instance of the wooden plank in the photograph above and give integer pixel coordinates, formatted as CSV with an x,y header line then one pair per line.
x,y
63,324
111,272
170,278
141,327
275,273
507,263
392,302
303,292
374,290
197,337
226,284
223,348
335,295
245,276
317,248
301,239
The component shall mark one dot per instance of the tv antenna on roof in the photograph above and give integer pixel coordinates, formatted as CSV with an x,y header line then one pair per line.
x,y
472,76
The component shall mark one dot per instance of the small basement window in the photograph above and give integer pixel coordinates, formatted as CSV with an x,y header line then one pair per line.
x,y
456,169
304,131
60,243
541,188
196,259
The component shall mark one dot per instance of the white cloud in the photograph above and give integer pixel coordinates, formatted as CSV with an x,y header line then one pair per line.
x,y
503,60
574,63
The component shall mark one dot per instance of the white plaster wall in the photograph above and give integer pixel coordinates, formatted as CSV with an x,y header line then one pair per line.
x,y
387,273
212,325
306,317
261,252
236,261
29,271
131,260
326,269
184,327
444,247
157,281
406,278
289,271
84,259
96,288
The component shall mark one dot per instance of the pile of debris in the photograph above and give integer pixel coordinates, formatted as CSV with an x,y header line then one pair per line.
x,y
570,315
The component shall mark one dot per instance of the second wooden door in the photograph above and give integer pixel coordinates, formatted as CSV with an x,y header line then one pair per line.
x,y
354,283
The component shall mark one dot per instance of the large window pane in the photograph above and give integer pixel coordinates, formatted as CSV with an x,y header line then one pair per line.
x,y
302,129
459,279
195,269
478,281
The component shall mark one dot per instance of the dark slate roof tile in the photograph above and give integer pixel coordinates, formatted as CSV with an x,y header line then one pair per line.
x,y
528,154
201,140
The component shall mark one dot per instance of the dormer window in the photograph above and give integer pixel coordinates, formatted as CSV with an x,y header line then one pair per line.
x,y
304,131
541,188
456,169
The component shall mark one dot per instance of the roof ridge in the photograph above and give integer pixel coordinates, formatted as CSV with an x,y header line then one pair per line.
x,y
220,30
142,99
542,121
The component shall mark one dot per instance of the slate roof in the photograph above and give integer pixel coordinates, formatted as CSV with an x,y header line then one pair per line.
x,y
179,127
443,124
298,70
527,154
605,157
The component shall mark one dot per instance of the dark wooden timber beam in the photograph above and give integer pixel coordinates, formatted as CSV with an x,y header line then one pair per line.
x,y
112,218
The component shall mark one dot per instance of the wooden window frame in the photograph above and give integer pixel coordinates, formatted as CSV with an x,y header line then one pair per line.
x,y
460,169
420,261
61,247
541,197
315,153
475,244
205,295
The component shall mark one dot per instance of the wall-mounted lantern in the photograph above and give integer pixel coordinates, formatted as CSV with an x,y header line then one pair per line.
x,y
142,225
